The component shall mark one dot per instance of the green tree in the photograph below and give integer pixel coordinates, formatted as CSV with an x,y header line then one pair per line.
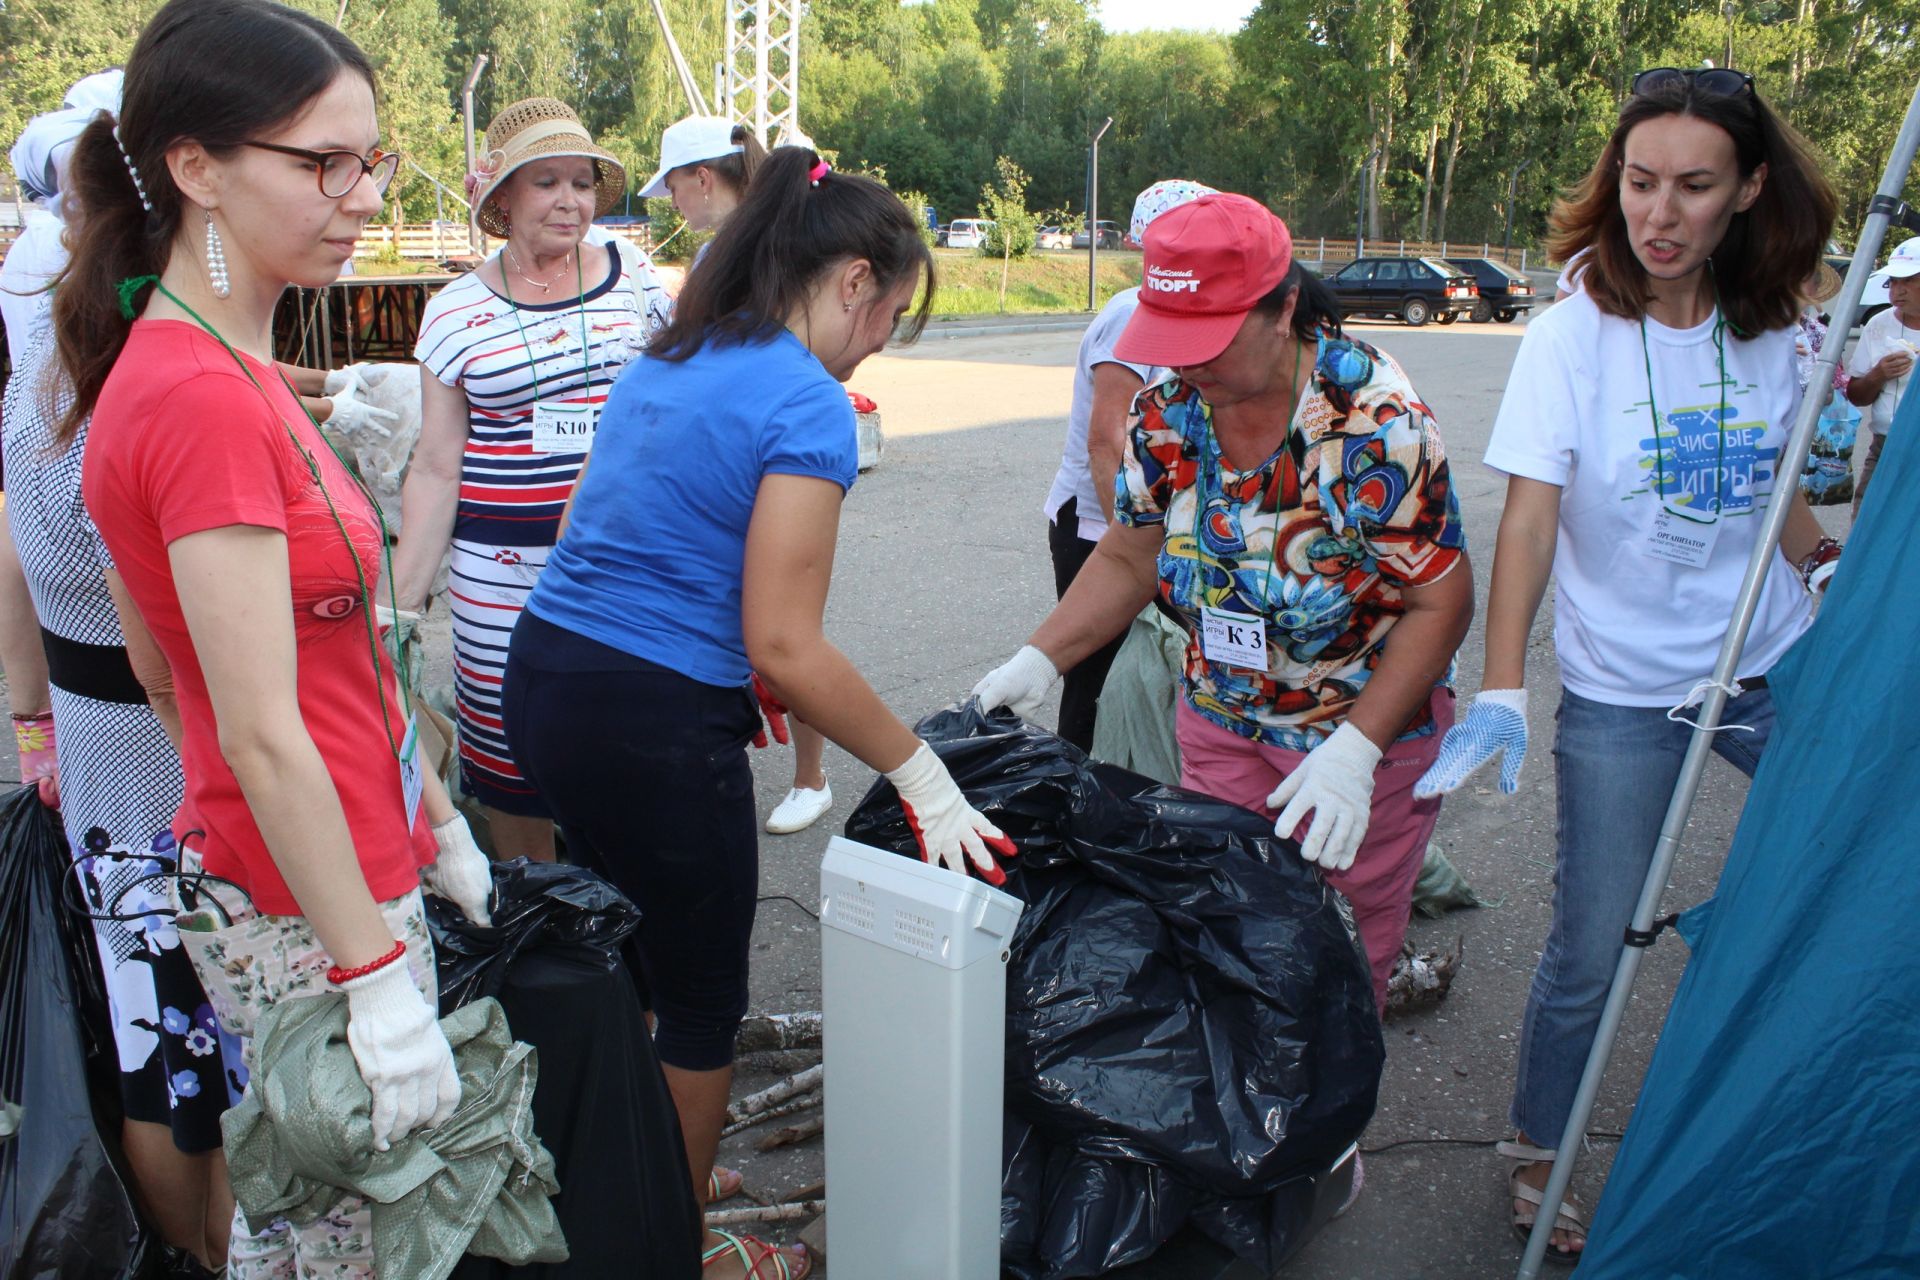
x,y
1011,236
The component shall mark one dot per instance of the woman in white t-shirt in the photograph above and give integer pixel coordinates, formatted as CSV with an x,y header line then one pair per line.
x,y
1080,501
1641,432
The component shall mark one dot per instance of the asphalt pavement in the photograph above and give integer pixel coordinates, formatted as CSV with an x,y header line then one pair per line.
x,y
943,572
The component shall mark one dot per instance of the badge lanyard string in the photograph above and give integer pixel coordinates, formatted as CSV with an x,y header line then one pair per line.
x,y
1719,422
533,360
127,289
1200,487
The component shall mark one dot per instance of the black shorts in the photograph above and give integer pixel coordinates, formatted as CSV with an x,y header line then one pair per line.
x,y
646,772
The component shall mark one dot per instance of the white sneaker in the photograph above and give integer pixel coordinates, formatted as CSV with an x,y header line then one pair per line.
x,y
800,810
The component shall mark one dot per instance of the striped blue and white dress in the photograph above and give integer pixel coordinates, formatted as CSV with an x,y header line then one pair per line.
x,y
506,356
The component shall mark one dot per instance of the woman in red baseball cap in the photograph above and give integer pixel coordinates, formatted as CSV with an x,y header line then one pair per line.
x,y
1285,493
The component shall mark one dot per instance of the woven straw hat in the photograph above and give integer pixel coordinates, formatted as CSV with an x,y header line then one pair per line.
x,y
533,129
1823,285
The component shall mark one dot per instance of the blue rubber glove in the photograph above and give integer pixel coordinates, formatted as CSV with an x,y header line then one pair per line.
x,y
1496,721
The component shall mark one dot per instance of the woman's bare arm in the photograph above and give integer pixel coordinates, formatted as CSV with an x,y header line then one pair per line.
x,y
234,590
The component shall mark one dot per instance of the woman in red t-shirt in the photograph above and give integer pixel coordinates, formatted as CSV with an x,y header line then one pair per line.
x,y
245,555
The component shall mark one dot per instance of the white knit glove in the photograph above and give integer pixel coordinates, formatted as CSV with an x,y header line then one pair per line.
x,y
946,826
340,379
462,874
1022,683
352,416
403,1055
1335,784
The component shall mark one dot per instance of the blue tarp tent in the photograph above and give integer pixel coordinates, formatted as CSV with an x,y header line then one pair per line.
x,y
1778,1131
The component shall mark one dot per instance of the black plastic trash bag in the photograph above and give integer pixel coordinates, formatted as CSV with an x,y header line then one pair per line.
x,y
65,1210
535,905
1191,1033
553,959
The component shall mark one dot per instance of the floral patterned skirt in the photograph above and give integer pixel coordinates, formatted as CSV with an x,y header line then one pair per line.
x,y
248,961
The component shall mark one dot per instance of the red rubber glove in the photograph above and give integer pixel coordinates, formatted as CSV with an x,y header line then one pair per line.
x,y
775,713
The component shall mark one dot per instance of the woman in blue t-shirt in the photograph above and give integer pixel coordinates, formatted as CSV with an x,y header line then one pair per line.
x,y
698,551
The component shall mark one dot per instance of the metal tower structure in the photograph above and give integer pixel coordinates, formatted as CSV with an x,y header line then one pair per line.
x,y
761,73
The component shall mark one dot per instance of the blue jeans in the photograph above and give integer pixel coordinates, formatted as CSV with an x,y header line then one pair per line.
x,y
1615,768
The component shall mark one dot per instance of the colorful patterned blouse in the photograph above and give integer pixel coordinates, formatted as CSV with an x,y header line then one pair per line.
x,y
1319,539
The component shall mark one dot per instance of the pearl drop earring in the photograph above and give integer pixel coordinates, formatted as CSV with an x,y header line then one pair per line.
x,y
217,261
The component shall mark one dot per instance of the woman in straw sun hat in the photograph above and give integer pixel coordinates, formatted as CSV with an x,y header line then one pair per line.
x,y
516,358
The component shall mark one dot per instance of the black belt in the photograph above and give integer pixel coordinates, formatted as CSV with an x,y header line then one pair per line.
x,y
98,671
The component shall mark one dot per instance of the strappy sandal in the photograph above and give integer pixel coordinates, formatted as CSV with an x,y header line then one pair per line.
x,y
724,1188
739,1246
1568,1219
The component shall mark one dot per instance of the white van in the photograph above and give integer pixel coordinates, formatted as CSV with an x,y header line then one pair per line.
x,y
968,233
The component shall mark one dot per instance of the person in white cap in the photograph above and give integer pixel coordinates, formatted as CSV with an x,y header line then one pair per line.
x,y
706,165
1080,502
1883,358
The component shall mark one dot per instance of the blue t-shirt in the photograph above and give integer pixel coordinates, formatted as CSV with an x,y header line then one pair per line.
x,y
654,550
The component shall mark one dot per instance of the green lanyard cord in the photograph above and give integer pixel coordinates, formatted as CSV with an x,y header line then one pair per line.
x,y
1200,487
1719,422
586,351
313,469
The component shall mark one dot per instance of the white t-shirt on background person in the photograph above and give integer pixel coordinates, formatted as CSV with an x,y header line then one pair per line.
x,y
1881,337
1075,477
1633,629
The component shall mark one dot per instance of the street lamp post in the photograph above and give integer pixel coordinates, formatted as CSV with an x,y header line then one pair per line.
x,y
1093,211
474,240
1360,204
1513,194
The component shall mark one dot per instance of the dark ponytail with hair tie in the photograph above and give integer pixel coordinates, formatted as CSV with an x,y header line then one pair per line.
x,y
789,230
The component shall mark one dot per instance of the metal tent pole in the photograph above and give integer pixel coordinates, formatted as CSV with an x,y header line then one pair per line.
x,y
1886,203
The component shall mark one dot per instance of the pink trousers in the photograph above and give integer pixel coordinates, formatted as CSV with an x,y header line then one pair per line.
x,y
1380,882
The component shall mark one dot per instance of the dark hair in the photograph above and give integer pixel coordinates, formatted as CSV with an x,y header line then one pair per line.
x,y
1318,309
736,168
216,72
761,266
1762,263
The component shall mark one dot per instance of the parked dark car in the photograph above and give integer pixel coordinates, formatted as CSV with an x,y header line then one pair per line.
x,y
1504,292
1109,235
1415,289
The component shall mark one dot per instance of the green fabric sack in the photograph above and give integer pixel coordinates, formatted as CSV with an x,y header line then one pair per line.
x,y
479,1183
1134,726
1441,888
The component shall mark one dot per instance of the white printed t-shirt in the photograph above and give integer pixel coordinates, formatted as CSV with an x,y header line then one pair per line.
x,y
1633,630
1075,477
1880,337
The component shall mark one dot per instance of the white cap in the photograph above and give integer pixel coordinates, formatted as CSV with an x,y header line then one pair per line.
x,y
690,141
97,92
1904,262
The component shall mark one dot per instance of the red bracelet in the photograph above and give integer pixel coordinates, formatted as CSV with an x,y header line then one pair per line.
x,y
338,976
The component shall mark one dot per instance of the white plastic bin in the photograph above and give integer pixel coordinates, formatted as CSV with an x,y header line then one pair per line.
x,y
914,993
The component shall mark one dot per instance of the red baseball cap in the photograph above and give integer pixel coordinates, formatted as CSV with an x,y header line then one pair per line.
x,y
1206,264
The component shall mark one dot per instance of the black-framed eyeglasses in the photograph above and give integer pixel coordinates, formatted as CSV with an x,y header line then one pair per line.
x,y
1722,81
340,171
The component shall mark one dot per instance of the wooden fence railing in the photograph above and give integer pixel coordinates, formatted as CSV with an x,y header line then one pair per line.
x,y
417,241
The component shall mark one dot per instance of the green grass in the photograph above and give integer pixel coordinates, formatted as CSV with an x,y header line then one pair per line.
x,y
969,282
